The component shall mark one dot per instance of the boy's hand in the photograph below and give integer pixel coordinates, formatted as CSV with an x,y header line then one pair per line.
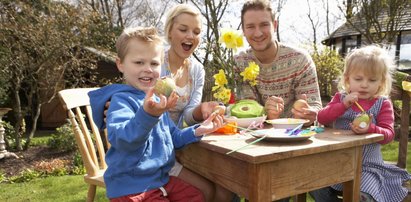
x,y
211,124
350,99
274,107
105,110
156,109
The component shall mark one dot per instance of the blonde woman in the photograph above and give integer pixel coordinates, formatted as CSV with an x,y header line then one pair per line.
x,y
183,28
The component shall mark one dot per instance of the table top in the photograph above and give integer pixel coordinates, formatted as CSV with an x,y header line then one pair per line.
x,y
266,151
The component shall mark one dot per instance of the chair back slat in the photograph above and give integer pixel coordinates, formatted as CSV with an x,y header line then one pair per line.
x,y
87,135
97,137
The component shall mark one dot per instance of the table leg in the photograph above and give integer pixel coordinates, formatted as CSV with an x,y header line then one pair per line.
x,y
351,189
300,197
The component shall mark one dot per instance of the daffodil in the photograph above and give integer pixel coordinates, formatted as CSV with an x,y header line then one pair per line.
x,y
250,73
223,94
220,79
407,86
232,39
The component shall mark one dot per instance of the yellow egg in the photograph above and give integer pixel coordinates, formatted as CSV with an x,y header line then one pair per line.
x,y
300,104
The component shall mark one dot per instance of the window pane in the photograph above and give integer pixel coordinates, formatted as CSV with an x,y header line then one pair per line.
x,y
405,51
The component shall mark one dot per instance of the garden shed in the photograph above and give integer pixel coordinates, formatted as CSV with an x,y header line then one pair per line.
x,y
53,114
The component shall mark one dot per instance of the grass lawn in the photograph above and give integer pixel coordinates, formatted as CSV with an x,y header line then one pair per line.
x,y
49,189
73,188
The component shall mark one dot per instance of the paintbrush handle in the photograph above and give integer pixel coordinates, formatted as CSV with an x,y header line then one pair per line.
x,y
359,106
251,143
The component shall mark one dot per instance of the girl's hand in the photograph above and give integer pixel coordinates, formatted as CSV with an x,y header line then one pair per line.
x,y
211,124
274,107
156,109
358,130
350,99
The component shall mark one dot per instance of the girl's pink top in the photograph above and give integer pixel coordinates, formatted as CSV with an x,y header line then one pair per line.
x,y
385,119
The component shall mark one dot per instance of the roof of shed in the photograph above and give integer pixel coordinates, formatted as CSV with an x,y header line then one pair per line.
x,y
348,30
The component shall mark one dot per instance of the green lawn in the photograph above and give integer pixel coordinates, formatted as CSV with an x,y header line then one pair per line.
x,y
49,189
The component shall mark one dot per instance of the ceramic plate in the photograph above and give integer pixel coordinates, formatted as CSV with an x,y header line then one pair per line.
x,y
245,122
286,123
280,135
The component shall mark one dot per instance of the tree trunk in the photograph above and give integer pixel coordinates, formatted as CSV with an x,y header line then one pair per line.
x,y
19,119
33,127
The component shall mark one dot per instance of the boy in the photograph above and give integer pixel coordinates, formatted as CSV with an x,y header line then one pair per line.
x,y
142,135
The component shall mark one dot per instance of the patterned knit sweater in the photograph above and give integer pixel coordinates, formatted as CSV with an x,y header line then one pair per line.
x,y
289,75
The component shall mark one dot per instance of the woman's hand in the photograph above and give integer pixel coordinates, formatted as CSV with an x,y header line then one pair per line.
x,y
207,108
204,110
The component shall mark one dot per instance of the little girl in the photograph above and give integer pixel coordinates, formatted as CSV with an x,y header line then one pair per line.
x,y
367,83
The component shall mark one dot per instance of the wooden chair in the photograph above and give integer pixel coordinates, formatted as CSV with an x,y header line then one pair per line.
x,y
89,142
398,93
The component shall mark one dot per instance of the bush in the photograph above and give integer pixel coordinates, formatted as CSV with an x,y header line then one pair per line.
x,y
329,67
63,140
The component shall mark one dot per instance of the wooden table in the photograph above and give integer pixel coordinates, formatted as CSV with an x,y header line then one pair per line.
x,y
270,171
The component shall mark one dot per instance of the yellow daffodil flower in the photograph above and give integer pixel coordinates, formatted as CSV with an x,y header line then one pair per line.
x,y
406,86
220,79
239,41
223,95
250,73
232,39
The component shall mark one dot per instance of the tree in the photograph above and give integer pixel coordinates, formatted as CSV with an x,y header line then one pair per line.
x,y
378,21
125,13
40,40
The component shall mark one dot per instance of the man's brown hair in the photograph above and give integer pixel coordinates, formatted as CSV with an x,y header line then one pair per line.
x,y
256,5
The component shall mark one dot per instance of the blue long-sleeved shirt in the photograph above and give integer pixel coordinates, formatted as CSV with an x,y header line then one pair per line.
x,y
142,146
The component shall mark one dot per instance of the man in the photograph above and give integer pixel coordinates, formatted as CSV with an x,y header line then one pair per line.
x,y
286,73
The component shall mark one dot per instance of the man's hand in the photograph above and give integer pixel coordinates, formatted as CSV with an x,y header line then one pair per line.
x,y
305,112
274,107
156,109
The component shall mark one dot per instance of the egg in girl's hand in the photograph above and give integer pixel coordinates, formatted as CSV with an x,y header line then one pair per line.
x,y
300,104
362,120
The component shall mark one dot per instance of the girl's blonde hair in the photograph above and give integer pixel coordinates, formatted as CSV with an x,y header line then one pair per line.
x,y
148,34
176,11
371,60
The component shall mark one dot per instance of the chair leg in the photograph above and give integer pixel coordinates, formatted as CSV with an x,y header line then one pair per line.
x,y
91,193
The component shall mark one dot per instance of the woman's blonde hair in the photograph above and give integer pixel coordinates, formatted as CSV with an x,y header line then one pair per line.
x,y
176,11
371,60
148,34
